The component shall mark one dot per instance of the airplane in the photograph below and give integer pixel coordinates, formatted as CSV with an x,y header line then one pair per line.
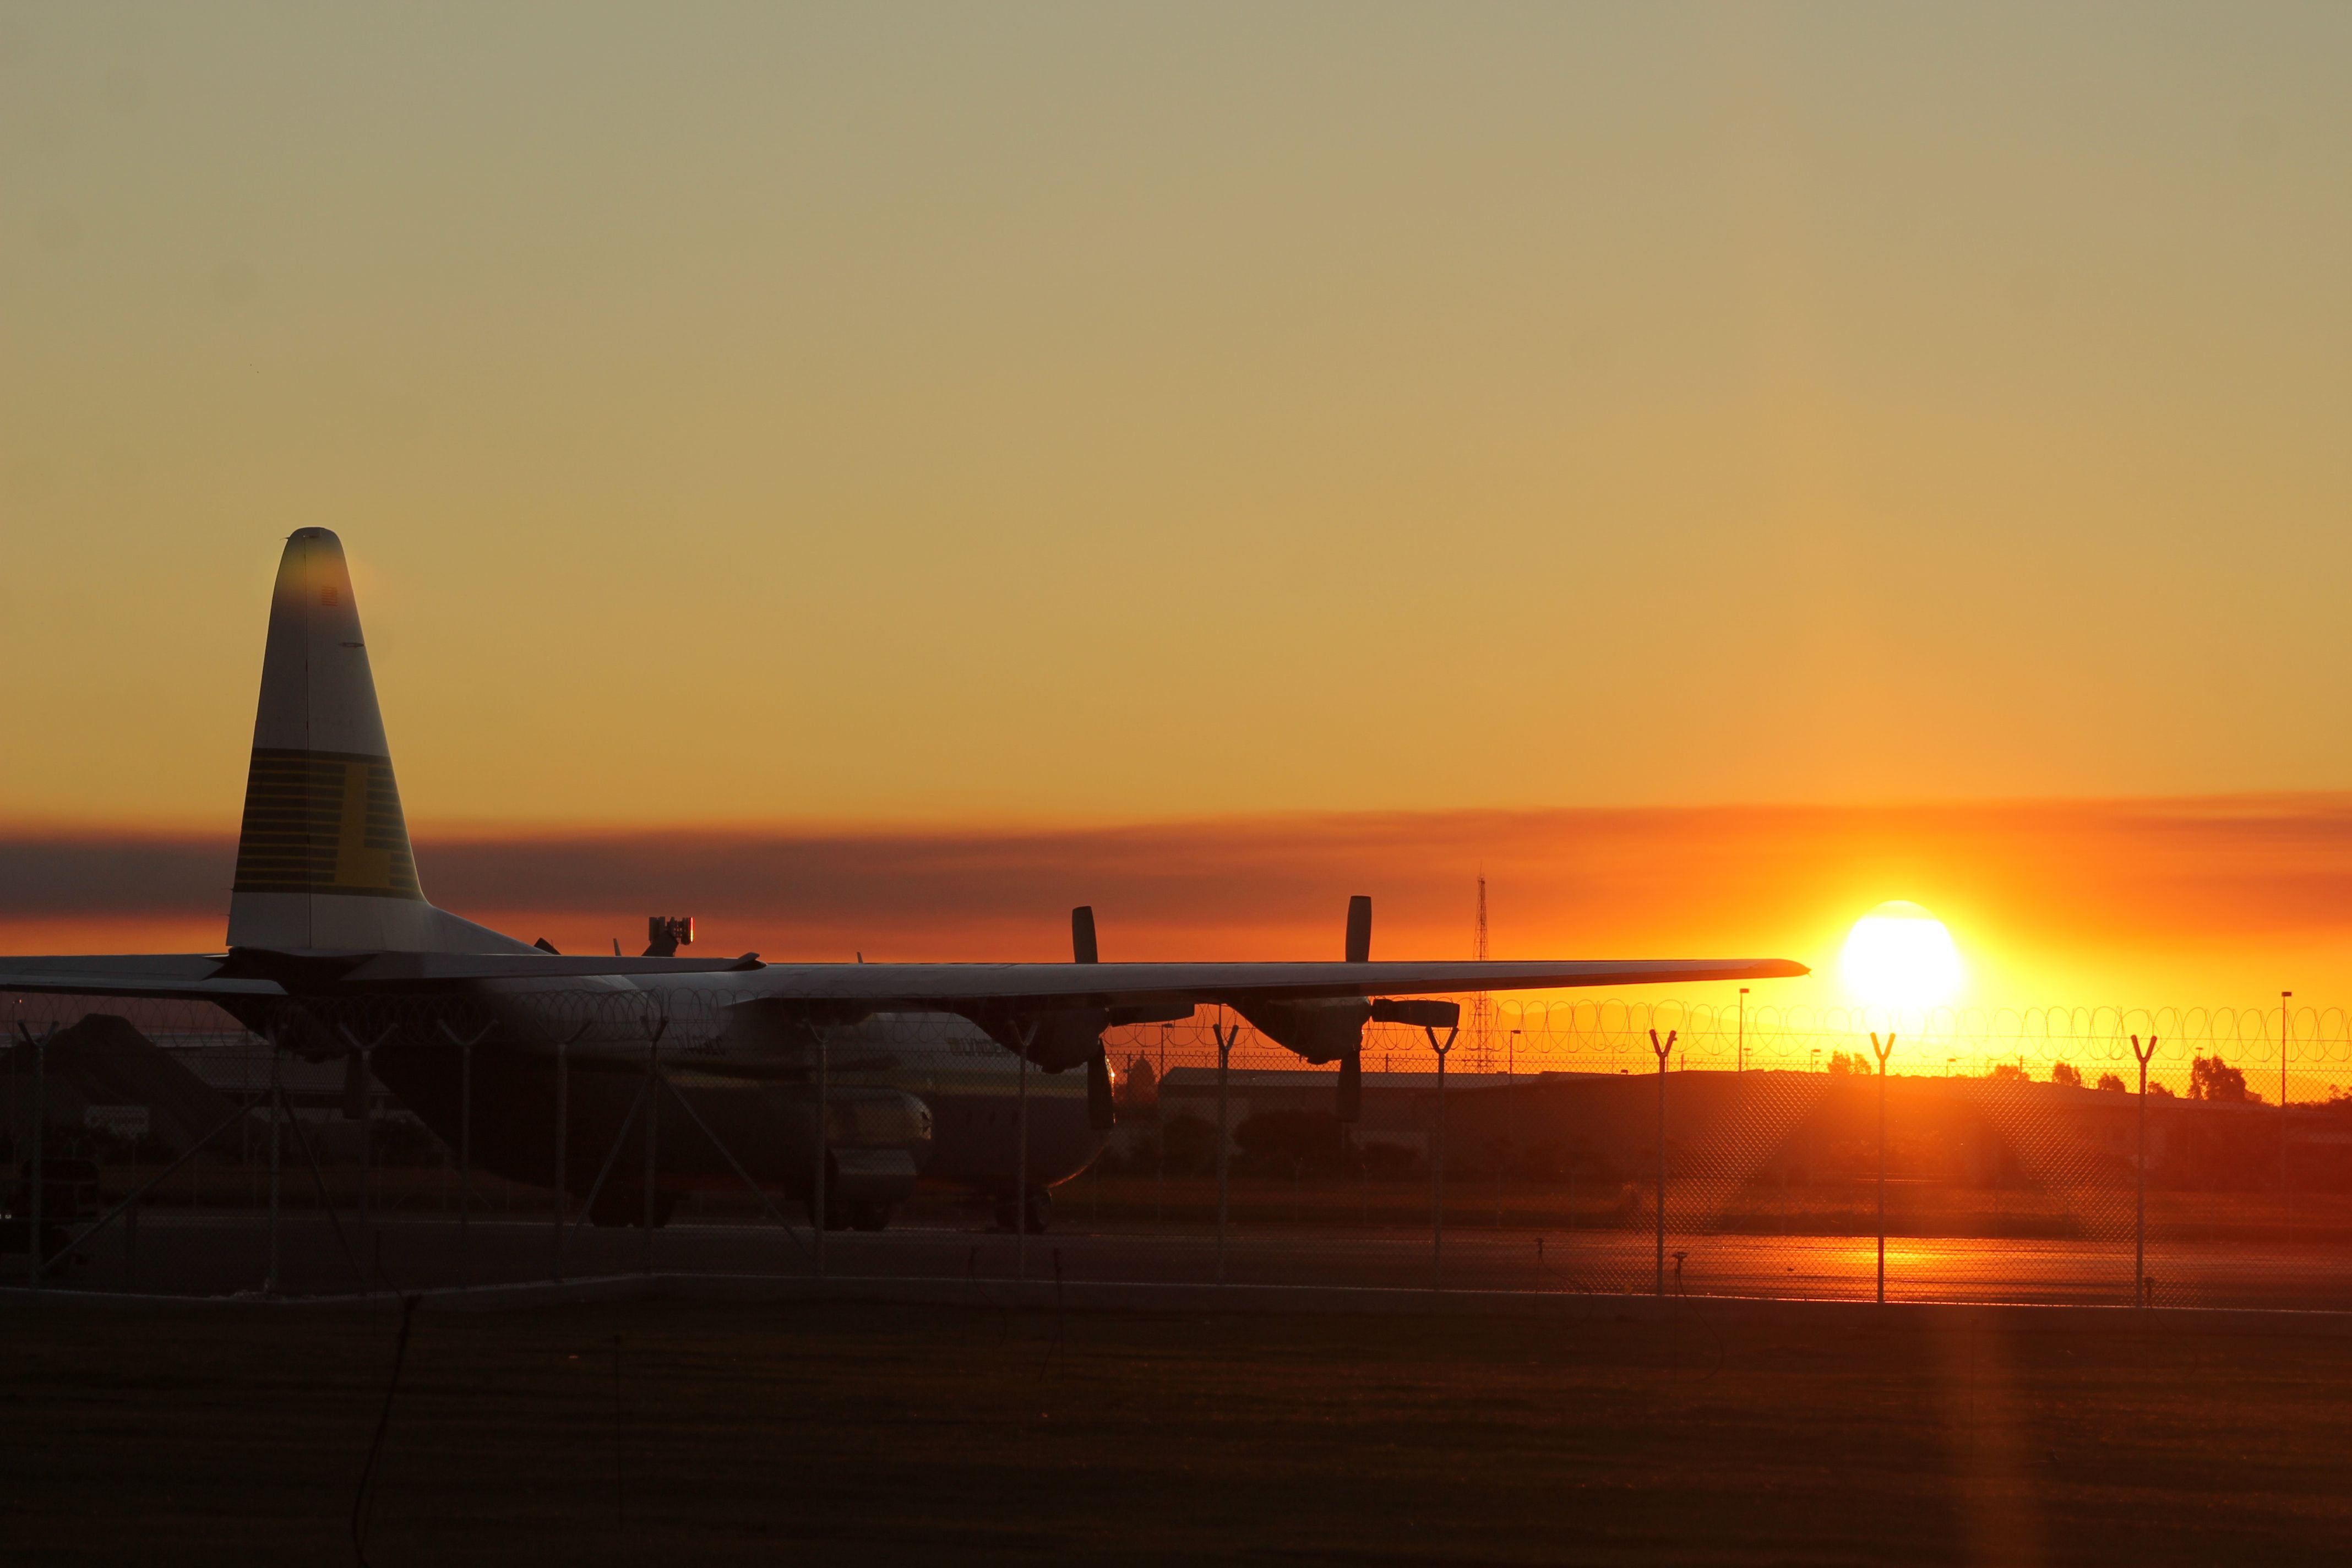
x,y
836,1085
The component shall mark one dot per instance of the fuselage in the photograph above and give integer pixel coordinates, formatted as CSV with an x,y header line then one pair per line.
x,y
529,1073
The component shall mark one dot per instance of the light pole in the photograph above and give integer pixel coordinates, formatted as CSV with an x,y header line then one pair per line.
x,y
1664,1049
2140,1183
1883,1052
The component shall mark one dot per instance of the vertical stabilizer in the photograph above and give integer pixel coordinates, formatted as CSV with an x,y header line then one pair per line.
x,y
323,859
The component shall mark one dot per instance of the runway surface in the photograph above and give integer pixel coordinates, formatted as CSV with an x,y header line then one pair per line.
x,y
228,1252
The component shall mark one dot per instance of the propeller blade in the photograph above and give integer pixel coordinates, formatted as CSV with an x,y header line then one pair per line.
x,y
1359,928
1102,1112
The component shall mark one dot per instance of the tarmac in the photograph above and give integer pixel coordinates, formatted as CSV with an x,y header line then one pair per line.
x,y
227,1254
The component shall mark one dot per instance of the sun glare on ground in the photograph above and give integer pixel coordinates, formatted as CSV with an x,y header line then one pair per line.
x,y
1900,957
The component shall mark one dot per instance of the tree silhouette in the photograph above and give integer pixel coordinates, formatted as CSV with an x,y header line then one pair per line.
x,y
2211,1078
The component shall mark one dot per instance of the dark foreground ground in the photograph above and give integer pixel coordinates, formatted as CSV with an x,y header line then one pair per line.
x,y
652,1431
225,1252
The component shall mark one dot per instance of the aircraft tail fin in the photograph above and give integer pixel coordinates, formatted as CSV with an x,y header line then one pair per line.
x,y
323,859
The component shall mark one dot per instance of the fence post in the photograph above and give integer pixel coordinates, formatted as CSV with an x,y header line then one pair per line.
x,y
562,1127
1026,1031
33,1245
2286,1182
1021,1157
2139,1180
653,1154
277,1107
816,1181
465,1148
1663,1050
369,1247
463,1164
367,1153
1883,1052
1224,1036
1437,1164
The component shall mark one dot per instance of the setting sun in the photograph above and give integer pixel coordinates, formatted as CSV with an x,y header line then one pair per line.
x,y
1898,955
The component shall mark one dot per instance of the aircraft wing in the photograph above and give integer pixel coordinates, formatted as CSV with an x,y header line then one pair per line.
x,y
875,986
916,987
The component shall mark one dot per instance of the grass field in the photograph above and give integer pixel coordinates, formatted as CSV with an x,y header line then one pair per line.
x,y
632,1432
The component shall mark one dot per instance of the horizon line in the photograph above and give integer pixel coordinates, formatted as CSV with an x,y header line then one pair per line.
x,y
34,829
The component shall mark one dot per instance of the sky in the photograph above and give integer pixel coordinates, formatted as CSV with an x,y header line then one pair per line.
x,y
1898,448
2119,904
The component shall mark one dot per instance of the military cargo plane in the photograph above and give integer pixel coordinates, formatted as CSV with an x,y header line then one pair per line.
x,y
631,1081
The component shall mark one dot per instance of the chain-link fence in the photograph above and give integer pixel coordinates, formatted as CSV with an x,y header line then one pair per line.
x,y
1598,1146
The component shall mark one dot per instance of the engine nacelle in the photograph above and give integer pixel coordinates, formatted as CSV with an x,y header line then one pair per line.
x,y
1320,1031
1055,1040
1333,1030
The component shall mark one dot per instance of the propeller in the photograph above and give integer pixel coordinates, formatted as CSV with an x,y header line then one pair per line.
x,y
1351,1091
1102,1112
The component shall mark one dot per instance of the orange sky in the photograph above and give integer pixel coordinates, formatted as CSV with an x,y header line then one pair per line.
x,y
1628,447
2211,902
